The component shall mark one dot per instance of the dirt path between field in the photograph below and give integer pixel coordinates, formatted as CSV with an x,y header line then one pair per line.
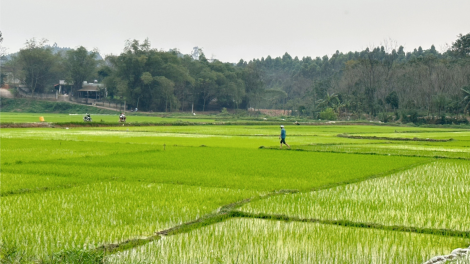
x,y
25,125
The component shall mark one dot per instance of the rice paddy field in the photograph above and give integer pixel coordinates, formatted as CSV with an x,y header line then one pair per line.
x,y
228,194
100,118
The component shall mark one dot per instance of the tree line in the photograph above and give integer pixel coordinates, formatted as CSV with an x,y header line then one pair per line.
x,y
374,81
144,77
154,80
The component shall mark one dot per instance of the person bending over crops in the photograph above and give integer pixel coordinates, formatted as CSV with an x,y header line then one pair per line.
x,y
282,136
122,117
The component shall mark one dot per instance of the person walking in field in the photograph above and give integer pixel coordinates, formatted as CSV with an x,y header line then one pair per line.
x,y
282,136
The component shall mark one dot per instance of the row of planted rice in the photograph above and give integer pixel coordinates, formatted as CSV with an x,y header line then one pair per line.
x,y
81,194
434,195
88,216
264,241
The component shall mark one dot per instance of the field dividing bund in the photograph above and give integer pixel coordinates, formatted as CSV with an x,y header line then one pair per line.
x,y
410,199
93,214
447,152
257,241
249,169
171,194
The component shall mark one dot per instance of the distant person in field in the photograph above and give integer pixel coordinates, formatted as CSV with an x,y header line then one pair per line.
x,y
282,136
122,117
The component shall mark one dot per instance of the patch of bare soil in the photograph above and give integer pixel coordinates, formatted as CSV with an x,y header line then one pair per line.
x,y
5,93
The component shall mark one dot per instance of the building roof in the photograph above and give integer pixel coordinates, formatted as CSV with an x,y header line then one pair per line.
x,y
89,88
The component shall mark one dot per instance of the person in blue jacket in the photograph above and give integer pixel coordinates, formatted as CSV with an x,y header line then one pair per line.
x,y
282,136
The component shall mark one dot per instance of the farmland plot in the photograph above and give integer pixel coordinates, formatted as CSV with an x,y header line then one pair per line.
x,y
434,196
398,149
265,130
264,241
78,117
77,188
145,137
213,167
19,183
105,212
23,149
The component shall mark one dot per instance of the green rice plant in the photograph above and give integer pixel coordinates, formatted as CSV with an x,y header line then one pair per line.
x,y
12,184
226,136
265,241
429,196
293,130
76,256
232,130
10,253
159,139
442,135
394,149
24,149
250,169
463,260
106,212
65,191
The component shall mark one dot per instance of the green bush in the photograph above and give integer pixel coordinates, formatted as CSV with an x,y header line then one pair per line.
x,y
328,114
410,116
224,112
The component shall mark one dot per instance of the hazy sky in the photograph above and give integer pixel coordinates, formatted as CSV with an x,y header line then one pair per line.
x,y
231,30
